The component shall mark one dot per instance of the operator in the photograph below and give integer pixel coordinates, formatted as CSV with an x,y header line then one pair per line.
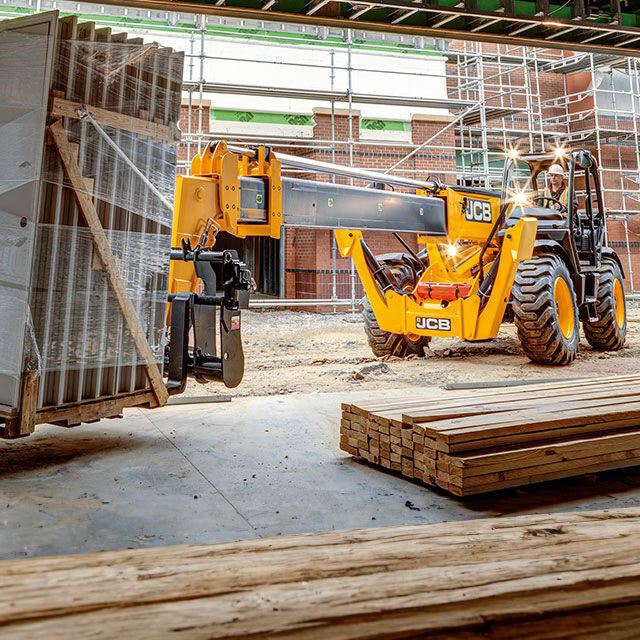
x,y
558,188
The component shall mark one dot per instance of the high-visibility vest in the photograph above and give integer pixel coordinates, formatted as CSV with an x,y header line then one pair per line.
x,y
564,196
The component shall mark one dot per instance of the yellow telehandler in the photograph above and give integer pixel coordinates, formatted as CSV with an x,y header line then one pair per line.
x,y
487,257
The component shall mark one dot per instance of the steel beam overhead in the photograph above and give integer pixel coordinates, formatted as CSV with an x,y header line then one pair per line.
x,y
327,96
588,25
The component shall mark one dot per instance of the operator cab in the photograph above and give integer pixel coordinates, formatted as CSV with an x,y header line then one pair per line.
x,y
576,221
530,184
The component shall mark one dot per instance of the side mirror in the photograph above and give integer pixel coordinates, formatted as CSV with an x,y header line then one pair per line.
x,y
584,159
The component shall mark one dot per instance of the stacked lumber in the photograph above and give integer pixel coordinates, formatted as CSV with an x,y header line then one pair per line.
x,y
491,439
571,575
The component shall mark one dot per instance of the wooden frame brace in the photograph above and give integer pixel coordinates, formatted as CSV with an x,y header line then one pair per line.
x,y
63,108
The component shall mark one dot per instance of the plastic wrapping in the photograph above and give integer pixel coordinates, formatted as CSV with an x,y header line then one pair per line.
x,y
112,179
25,67
118,100
78,311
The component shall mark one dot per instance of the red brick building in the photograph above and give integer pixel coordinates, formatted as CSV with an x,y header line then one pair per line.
x,y
531,105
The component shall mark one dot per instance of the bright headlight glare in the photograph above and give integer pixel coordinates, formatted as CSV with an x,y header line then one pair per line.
x,y
559,152
452,250
513,154
520,198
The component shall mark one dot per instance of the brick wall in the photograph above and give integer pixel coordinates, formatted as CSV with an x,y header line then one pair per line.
x,y
309,266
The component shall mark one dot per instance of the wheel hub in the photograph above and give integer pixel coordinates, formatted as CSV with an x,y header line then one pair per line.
x,y
563,304
618,300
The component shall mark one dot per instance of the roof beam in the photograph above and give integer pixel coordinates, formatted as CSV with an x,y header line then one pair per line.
x,y
358,11
522,29
626,42
404,16
603,36
483,25
560,33
542,7
443,21
314,5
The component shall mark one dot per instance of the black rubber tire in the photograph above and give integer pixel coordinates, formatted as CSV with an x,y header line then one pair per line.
x,y
604,334
535,314
384,343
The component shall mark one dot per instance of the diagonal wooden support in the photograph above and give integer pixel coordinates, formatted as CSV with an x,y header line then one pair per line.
x,y
107,259
60,107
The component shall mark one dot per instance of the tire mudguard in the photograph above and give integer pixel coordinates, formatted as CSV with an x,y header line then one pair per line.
x,y
608,252
550,246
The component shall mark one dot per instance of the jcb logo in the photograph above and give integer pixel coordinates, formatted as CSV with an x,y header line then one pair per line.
x,y
477,211
433,324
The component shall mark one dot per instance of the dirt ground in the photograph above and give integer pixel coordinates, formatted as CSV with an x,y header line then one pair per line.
x,y
300,352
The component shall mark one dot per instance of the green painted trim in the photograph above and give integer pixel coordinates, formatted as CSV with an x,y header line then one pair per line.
x,y
384,125
230,115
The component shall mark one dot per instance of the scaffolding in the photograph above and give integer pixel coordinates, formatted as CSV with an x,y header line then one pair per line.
x,y
498,96
497,101
601,111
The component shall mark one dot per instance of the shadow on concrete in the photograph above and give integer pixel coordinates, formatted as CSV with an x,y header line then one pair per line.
x,y
605,485
48,452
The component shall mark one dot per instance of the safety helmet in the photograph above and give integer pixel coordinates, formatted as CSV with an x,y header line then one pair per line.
x,y
556,170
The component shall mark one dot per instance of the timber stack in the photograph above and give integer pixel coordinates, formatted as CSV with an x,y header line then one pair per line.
x,y
467,444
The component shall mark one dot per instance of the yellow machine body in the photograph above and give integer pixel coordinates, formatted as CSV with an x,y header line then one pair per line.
x,y
210,195
212,192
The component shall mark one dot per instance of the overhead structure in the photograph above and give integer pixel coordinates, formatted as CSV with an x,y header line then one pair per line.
x,y
585,25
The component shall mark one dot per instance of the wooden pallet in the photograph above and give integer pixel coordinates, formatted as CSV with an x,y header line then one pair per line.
x,y
475,442
567,575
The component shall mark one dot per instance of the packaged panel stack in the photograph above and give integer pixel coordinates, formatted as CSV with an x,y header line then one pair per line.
x,y
494,439
99,271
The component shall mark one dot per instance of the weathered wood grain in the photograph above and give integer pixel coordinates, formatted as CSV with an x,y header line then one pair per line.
x,y
490,578
511,437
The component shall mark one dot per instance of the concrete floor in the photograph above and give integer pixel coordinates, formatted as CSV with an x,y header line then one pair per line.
x,y
251,468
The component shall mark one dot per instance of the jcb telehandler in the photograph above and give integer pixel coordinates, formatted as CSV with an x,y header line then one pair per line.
x,y
487,257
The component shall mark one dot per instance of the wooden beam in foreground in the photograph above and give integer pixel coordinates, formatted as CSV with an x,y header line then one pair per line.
x,y
568,575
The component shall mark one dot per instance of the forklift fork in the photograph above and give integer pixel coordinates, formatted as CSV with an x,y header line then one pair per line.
x,y
196,314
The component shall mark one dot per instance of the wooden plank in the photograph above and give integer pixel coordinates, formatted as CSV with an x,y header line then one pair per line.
x,y
24,423
475,465
486,578
537,438
61,107
101,245
570,464
473,486
411,401
94,410
480,406
537,426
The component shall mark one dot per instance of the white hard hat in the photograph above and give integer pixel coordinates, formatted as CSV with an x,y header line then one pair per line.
x,y
556,170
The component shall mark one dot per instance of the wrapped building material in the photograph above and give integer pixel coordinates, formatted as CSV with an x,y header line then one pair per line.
x,y
88,131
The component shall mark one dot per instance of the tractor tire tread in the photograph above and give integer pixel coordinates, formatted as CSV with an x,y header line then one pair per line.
x,y
535,315
604,333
